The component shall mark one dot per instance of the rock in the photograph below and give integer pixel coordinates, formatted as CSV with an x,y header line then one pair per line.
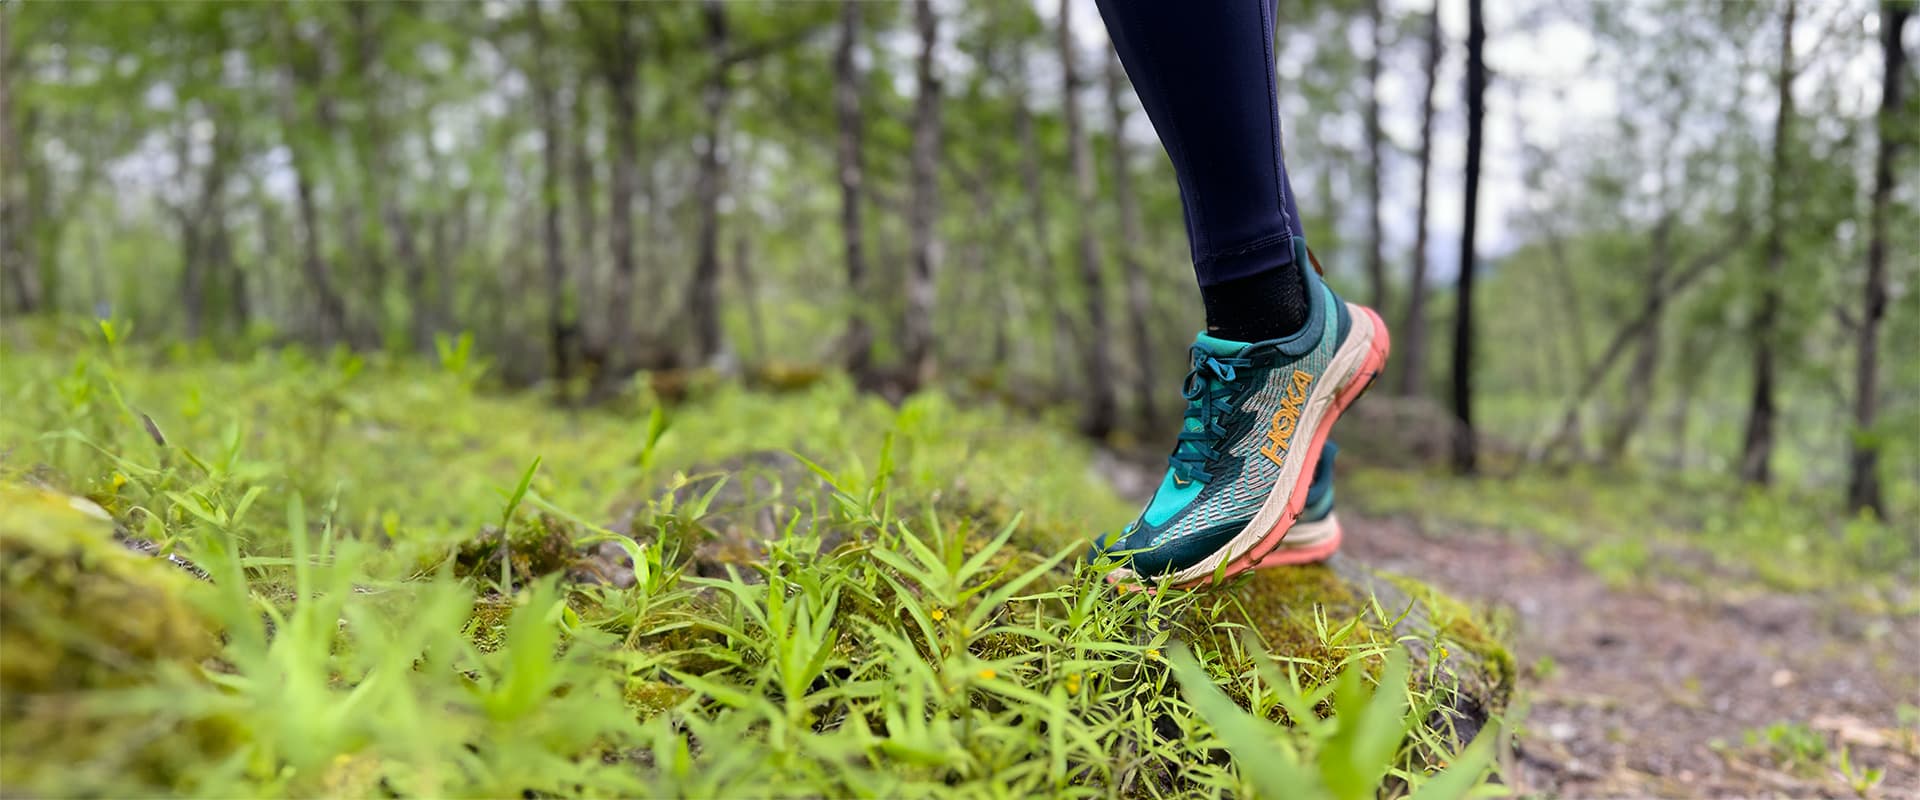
x,y
80,613
1395,431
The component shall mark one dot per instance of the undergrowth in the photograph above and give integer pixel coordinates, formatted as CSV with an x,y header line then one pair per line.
x,y
378,616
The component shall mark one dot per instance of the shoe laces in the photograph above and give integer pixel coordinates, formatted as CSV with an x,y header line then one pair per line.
x,y
1209,389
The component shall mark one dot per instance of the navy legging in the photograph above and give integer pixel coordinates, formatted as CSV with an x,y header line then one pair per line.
x,y
1204,70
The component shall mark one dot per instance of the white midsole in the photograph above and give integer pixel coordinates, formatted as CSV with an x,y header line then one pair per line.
x,y
1309,534
1340,372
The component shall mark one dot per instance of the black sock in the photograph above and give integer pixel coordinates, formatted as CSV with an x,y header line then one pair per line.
x,y
1258,307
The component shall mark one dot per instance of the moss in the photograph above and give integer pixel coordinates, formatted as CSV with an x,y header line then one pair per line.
x,y
1280,605
79,610
538,544
356,775
650,698
79,613
779,376
1459,624
487,625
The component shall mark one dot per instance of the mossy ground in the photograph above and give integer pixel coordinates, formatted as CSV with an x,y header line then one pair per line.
x,y
894,611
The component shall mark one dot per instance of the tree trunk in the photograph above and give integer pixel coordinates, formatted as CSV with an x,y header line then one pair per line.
x,y
1565,286
420,322
203,227
750,294
383,173
1376,257
271,256
582,177
1646,360
193,282
1413,350
1001,291
331,322
703,295
1697,353
857,343
458,237
923,211
1465,455
230,282
1139,291
1051,290
42,228
1756,456
1101,411
561,328
1863,458
617,58
16,276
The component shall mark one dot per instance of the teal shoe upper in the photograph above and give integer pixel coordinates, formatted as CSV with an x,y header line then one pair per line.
x,y
1243,403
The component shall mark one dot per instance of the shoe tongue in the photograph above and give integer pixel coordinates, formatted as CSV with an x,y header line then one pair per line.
x,y
1218,347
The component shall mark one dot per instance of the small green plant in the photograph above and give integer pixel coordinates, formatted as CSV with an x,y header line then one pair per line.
x,y
1348,756
1792,745
1862,782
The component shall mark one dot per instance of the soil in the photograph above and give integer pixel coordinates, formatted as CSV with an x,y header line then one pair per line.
x,y
1651,690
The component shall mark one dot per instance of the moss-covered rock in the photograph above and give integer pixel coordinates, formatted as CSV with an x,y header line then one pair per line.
x,y
1318,614
77,609
79,614
1316,617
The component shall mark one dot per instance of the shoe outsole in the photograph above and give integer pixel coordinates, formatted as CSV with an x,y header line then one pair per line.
x,y
1369,371
1290,555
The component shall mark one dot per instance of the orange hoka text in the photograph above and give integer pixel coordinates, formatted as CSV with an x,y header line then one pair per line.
x,y
1285,420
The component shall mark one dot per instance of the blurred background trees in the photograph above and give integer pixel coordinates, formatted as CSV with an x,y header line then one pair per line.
x,y
1696,241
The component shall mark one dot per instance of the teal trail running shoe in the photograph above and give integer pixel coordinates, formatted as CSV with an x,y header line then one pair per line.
x,y
1257,416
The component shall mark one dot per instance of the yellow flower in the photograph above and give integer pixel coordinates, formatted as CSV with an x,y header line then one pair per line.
x,y
119,480
1442,652
987,674
938,614
1153,652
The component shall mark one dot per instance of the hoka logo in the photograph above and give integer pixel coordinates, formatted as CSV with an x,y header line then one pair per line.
x,y
1285,420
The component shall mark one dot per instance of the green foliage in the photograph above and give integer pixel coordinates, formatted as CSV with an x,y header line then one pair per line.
x,y
1345,756
913,626
1792,744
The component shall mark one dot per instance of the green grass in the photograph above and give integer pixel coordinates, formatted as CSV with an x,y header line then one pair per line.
x,y
914,627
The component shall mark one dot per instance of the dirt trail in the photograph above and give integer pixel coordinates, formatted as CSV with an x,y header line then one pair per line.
x,y
1644,680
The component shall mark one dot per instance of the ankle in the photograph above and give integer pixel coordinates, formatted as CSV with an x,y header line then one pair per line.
x,y
1269,304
